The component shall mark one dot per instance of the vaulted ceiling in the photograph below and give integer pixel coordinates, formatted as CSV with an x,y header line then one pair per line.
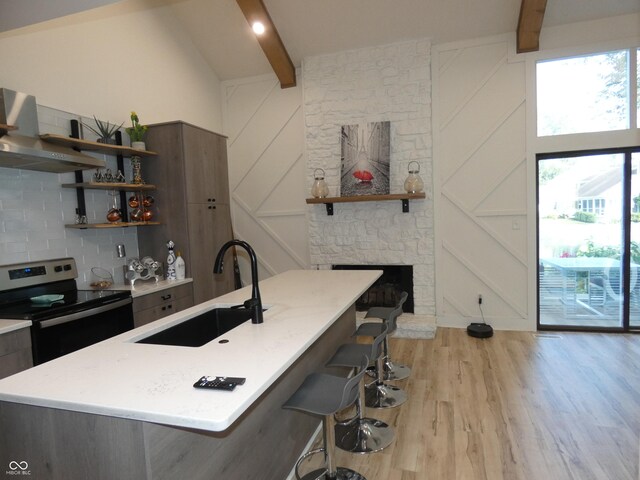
x,y
310,27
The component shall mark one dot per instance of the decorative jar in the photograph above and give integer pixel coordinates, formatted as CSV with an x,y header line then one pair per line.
x,y
414,183
319,188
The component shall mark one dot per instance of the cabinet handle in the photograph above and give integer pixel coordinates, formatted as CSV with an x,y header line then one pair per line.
x,y
166,297
168,307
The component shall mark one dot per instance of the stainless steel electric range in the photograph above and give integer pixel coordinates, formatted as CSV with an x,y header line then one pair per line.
x,y
64,319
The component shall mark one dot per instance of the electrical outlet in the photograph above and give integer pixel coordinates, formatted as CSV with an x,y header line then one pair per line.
x,y
479,299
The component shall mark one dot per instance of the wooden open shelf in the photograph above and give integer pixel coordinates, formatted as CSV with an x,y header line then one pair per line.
x,y
96,146
4,126
84,226
403,197
128,187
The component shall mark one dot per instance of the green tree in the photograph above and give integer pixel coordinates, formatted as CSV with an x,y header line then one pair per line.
x,y
616,82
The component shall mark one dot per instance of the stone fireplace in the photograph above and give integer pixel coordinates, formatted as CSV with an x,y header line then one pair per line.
x,y
388,83
386,291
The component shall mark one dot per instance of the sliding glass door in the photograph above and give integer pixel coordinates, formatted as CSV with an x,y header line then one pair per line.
x,y
588,240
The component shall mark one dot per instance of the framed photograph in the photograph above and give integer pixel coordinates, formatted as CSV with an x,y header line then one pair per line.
x,y
365,154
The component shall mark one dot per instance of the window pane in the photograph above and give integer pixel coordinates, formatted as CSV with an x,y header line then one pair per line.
x,y
583,94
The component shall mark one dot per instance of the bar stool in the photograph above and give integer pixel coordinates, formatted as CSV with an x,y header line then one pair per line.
x,y
361,434
379,394
389,315
323,394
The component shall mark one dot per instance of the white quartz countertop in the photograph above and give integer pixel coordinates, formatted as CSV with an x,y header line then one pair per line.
x,y
154,383
145,287
7,326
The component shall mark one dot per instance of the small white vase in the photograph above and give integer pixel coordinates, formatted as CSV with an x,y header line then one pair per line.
x,y
138,145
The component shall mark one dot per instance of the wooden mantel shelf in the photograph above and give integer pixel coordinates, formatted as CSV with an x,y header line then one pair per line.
x,y
403,197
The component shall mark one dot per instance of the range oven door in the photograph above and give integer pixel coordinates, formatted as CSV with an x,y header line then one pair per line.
x,y
58,336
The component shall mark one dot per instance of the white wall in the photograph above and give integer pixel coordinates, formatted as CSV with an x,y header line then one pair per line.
x,y
106,62
481,178
267,171
110,61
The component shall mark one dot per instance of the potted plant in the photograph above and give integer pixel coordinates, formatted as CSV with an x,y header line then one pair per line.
x,y
136,132
104,130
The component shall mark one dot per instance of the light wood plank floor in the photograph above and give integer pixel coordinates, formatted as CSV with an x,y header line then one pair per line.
x,y
518,406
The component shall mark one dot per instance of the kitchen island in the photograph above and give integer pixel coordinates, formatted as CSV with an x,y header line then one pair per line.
x,y
121,409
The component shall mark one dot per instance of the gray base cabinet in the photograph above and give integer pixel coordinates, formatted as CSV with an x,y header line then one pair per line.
x,y
15,352
192,203
154,306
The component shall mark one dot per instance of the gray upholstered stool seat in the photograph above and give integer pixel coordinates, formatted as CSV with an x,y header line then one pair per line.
x,y
389,315
379,394
361,434
324,395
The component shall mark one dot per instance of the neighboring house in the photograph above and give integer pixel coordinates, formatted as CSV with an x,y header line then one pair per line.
x,y
598,193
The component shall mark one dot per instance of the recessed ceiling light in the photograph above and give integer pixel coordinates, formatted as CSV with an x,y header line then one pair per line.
x,y
258,28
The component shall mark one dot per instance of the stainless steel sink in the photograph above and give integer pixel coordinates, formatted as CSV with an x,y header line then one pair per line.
x,y
199,330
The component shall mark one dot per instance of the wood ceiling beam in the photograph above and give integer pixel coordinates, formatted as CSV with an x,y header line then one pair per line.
x,y
530,24
270,41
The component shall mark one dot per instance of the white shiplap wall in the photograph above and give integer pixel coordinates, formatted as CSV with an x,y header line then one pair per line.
x,y
481,183
267,171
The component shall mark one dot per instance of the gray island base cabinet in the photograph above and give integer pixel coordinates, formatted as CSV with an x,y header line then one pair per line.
x,y
263,444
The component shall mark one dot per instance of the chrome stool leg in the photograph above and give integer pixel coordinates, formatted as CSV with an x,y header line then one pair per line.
x,y
381,395
330,472
362,434
393,371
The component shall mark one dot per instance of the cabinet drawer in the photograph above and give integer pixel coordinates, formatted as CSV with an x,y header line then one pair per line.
x,y
149,315
163,296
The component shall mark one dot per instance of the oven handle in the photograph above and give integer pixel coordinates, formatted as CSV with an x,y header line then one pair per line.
x,y
84,313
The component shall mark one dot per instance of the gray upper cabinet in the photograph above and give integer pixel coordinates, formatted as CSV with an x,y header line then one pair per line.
x,y
192,202
208,180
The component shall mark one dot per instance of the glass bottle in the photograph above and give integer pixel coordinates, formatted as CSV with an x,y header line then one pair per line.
x,y
319,188
414,183
114,215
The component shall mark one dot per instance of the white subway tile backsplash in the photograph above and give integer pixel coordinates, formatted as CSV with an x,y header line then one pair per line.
x,y
34,209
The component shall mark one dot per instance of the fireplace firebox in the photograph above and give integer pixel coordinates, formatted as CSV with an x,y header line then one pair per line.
x,y
386,291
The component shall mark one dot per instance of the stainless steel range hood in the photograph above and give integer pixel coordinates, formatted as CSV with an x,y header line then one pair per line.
x,y
22,148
